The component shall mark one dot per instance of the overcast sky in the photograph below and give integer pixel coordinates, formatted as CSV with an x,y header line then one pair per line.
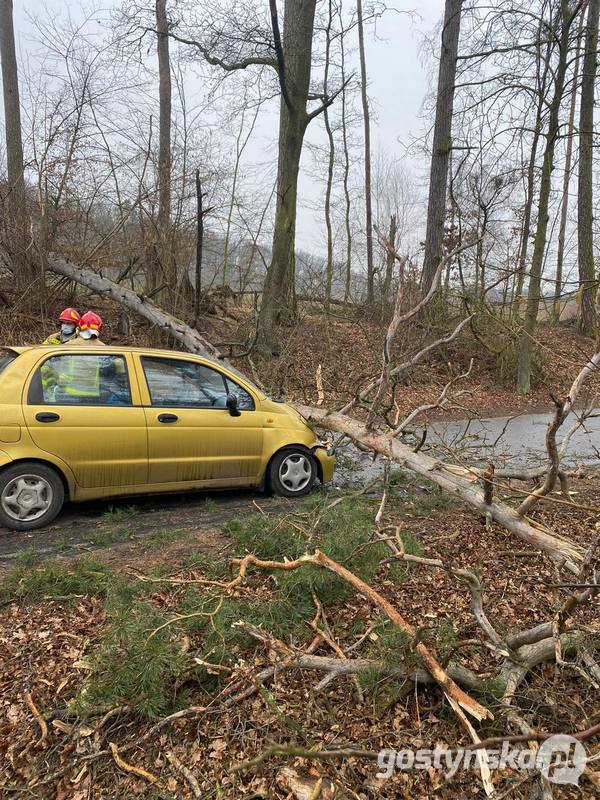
x,y
398,81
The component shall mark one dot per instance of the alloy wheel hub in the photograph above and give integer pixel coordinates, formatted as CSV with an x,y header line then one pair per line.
x,y
295,472
26,498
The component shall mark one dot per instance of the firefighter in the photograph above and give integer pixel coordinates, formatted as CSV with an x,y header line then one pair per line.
x,y
90,330
68,321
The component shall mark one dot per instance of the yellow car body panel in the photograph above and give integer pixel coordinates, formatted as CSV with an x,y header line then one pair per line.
x,y
118,450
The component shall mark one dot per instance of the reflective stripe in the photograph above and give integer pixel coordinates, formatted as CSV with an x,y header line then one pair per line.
x,y
54,338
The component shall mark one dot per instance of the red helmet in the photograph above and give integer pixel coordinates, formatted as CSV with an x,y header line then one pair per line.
x,y
70,315
91,322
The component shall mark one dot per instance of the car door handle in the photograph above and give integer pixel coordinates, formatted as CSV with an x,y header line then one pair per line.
x,y
166,418
47,416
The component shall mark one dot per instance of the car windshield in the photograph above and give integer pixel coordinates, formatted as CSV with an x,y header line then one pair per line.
x,y
6,357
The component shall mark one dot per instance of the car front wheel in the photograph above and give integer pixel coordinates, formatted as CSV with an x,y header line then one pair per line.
x,y
292,473
31,495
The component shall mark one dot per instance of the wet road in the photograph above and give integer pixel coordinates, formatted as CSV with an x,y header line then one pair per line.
x,y
509,441
518,440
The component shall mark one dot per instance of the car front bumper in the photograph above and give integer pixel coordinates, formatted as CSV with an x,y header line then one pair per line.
x,y
326,458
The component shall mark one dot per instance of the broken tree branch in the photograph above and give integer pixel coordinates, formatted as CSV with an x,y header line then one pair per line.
x,y
450,688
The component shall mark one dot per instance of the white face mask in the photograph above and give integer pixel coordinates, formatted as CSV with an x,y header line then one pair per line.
x,y
67,328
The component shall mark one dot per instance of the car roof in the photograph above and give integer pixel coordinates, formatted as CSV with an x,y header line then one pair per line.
x,y
147,350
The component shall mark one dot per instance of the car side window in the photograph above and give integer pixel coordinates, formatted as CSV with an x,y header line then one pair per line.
x,y
81,380
176,383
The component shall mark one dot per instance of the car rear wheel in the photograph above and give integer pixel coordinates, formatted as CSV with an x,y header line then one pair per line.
x,y
31,495
292,473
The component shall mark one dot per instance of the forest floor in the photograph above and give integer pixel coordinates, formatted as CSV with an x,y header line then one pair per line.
x,y
123,615
75,645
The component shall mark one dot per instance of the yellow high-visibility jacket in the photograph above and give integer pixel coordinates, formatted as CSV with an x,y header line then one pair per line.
x,y
54,338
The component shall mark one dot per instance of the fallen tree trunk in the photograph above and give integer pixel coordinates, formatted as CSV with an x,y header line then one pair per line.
x,y
142,305
458,481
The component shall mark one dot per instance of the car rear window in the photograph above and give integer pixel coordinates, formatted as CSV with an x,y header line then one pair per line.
x,y
6,358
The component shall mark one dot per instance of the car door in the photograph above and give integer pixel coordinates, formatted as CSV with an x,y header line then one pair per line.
x,y
85,408
192,437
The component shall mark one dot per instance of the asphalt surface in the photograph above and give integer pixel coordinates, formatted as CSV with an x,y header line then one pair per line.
x,y
518,440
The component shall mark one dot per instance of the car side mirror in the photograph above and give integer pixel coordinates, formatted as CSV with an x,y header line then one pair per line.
x,y
232,405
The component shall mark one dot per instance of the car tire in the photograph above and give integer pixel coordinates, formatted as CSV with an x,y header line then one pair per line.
x,y
292,473
31,495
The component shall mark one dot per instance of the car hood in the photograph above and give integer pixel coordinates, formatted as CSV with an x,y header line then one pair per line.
x,y
286,416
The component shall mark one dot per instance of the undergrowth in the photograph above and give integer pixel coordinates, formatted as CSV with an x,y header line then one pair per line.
x,y
56,581
143,656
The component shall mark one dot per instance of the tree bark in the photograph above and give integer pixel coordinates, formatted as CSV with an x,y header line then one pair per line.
x,y
389,264
586,322
442,143
143,306
15,200
163,220
346,178
278,301
367,146
199,247
330,165
539,246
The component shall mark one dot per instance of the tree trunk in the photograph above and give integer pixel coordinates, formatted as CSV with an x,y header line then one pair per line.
x,y
367,143
141,305
442,144
346,179
15,200
199,246
585,218
278,301
539,245
457,481
330,165
163,221
537,130
562,231
389,264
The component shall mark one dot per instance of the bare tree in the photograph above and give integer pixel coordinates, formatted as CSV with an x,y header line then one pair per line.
x,y
346,167
585,194
542,78
330,164
367,146
15,200
163,220
562,231
294,60
442,142
566,17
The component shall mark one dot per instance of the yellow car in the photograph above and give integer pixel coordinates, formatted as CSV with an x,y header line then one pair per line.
x,y
82,424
